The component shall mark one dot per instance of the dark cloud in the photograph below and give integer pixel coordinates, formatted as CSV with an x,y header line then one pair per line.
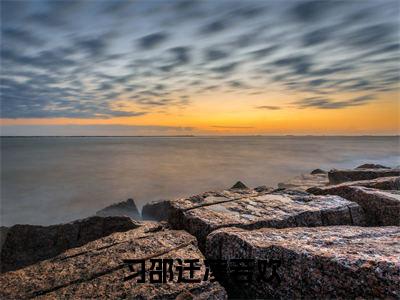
x,y
325,103
316,37
263,52
93,46
152,40
310,11
269,107
214,27
373,35
212,54
227,68
300,64
21,36
182,55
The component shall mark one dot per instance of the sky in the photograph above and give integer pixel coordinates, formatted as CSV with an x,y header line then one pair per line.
x,y
210,67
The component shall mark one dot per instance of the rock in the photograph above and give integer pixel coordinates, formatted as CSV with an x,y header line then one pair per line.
x,y
156,210
201,214
239,185
28,244
379,206
305,181
263,188
339,176
335,262
318,171
372,166
97,270
124,208
381,183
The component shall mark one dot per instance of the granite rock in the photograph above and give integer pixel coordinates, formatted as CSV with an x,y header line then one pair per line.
x,y
97,270
381,207
124,208
201,214
239,185
372,166
335,262
381,183
27,244
339,176
318,171
156,210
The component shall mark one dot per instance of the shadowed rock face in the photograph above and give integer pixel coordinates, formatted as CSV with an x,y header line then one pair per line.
x,y
124,208
204,213
372,166
96,270
318,171
27,244
156,210
339,176
381,207
316,263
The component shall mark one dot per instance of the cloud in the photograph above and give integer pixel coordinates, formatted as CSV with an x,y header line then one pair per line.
x,y
214,27
269,107
227,68
212,54
325,103
153,40
300,64
93,46
21,36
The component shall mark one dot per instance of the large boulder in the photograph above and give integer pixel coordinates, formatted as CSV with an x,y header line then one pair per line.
x,y
124,208
305,181
381,208
339,176
335,262
97,270
24,245
372,166
201,214
156,210
381,183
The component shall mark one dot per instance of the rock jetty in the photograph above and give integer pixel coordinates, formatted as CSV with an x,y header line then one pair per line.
x,y
322,235
97,269
314,263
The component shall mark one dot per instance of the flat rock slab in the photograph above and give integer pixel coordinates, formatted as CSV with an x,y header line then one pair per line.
x,y
204,213
315,263
339,176
381,183
305,181
97,270
382,208
27,244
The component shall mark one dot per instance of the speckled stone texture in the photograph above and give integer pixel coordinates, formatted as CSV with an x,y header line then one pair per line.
x,y
381,208
339,176
27,244
96,270
382,183
339,262
201,214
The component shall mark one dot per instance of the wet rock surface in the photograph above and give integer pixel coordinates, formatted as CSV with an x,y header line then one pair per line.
x,y
316,263
97,270
124,208
381,208
339,176
372,166
201,214
27,244
318,171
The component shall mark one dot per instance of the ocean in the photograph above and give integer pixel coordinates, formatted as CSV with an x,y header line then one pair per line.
x,y
49,180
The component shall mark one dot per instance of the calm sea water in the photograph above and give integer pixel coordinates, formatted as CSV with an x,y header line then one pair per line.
x,y
53,180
